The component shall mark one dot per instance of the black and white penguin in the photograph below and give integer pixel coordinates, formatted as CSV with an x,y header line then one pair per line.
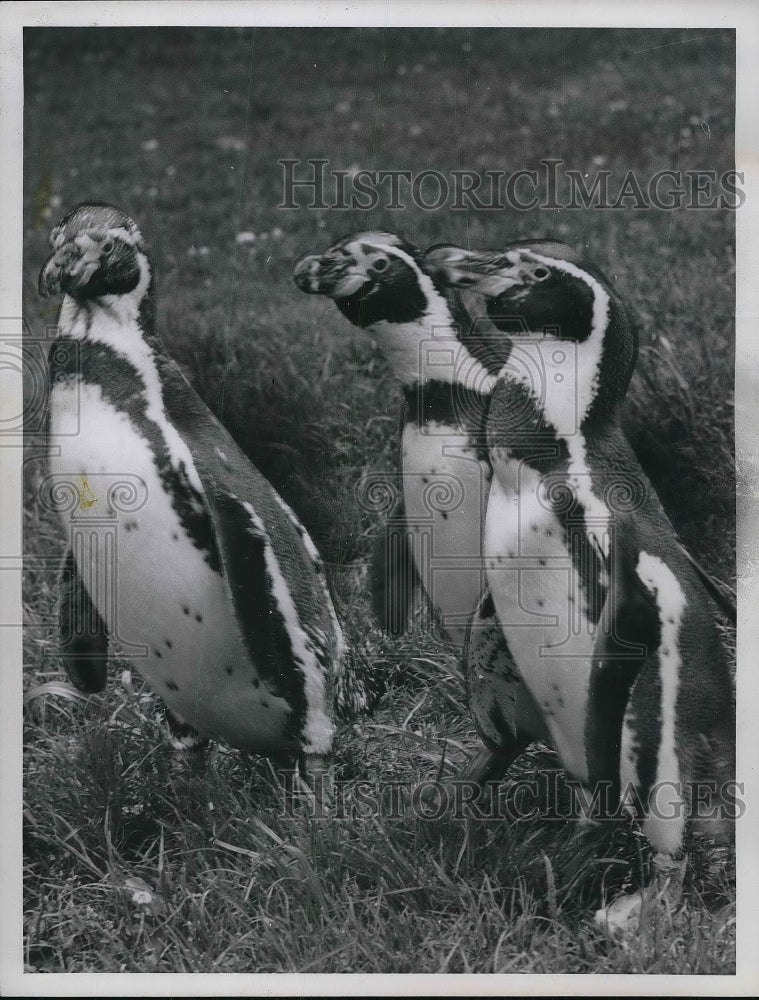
x,y
377,282
446,366
178,548
605,617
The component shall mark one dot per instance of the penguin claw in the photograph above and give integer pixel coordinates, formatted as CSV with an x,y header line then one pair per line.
x,y
629,915
622,918
184,738
307,780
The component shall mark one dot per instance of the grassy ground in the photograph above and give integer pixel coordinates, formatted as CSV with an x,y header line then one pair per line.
x,y
183,129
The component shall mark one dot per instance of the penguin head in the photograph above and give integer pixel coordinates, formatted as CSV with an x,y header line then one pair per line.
x,y
529,282
544,288
371,276
97,251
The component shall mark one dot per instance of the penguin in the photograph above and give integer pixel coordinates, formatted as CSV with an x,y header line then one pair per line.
x,y
180,552
606,618
446,364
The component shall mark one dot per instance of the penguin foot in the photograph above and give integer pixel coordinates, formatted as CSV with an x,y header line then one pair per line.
x,y
587,818
471,792
307,781
491,765
184,738
315,767
317,773
622,918
629,915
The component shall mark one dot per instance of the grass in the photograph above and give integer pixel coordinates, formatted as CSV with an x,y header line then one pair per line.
x,y
236,884
182,129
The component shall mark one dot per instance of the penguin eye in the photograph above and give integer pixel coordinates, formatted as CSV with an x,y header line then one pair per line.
x,y
540,273
380,264
107,246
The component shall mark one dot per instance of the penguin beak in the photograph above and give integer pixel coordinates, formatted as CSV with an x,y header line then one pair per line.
x,y
335,275
70,267
478,270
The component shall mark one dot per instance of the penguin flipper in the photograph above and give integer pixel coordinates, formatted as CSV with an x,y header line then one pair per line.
x,y
83,633
268,567
628,635
392,574
242,541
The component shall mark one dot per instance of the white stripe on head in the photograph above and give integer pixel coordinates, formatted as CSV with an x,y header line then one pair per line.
x,y
133,238
403,343
113,320
374,236
94,238
665,830
596,514
317,727
588,372
566,385
589,351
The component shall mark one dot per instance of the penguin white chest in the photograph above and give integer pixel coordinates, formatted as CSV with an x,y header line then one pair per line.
x,y
445,489
164,604
538,600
